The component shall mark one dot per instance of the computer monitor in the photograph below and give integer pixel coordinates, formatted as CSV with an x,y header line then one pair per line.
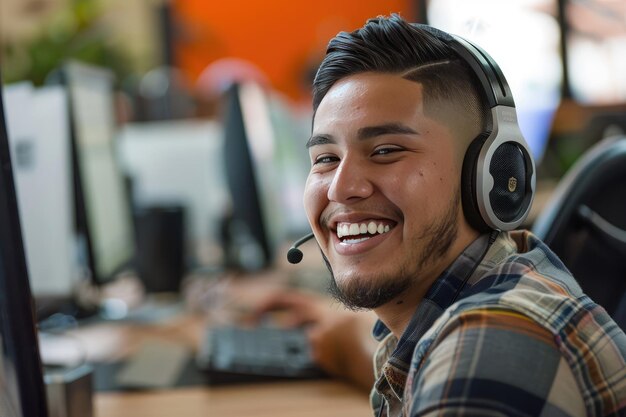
x,y
103,207
179,163
255,229
22,392
38,134
291,125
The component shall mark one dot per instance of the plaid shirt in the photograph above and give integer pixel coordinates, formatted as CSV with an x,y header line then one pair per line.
x,y
521,340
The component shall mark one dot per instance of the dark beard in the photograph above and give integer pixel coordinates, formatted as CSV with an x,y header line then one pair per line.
x,y
438,238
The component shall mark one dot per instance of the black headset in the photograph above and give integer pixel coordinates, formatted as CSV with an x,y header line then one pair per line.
x,y
498,175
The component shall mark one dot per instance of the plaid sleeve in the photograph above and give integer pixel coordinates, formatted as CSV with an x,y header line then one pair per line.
x,y
493,363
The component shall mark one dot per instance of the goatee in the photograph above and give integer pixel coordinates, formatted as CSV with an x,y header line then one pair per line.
x,y
435,241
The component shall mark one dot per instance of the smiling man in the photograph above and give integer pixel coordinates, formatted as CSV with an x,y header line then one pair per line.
x,y
472,321
384,185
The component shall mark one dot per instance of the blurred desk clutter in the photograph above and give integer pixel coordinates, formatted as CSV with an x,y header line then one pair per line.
x,y
206,298
160,382
151,352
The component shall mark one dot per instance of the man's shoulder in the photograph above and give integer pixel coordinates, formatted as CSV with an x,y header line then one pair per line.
x,y
522,334
493,358
505,346
524,327
530,282
547,296
521,273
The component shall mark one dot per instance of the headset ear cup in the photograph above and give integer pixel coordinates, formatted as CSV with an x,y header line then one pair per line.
x,y
508,168
469,197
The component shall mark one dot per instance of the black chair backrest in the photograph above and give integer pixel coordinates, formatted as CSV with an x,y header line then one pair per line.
x,y
585,224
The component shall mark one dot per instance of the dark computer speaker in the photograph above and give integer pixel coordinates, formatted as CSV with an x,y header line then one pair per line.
x,y
160,261
498,176
69,391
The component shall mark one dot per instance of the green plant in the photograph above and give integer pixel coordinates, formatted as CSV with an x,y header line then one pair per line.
x,y
78,32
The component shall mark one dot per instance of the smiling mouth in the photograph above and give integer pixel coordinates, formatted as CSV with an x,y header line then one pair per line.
x,y
351,233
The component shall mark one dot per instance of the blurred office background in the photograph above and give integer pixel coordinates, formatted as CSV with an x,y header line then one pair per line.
x,y
172,64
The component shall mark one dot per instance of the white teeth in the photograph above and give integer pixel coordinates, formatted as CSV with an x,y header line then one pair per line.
x,y
363,239
356,229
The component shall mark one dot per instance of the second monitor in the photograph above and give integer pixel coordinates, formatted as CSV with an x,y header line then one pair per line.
x,y
103,209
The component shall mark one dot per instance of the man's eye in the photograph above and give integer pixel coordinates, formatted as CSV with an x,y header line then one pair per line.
x,y
386,151
325,159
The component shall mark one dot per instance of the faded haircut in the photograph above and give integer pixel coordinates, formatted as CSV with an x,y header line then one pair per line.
x,y
392,45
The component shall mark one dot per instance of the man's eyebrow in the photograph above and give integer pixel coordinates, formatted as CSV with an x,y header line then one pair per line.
x,y
385,129
364,133
319,140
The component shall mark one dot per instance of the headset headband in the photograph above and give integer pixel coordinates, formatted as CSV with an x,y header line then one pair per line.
x,y
486,69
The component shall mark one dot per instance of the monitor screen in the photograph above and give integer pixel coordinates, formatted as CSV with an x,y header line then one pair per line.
x,y
104,210
38,132
180,162
291,125
255,228
22,391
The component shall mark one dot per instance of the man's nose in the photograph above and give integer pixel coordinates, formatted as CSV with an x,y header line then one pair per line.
x,y
350,183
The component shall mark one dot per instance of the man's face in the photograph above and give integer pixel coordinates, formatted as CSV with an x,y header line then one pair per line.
x,y
382,195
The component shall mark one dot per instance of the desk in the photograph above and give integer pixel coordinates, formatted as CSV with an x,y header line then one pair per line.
x,y
112,341
295,399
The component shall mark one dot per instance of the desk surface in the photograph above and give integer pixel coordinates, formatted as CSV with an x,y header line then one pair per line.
x,y
295,399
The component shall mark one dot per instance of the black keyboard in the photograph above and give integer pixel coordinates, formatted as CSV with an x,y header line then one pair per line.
x,y
257,352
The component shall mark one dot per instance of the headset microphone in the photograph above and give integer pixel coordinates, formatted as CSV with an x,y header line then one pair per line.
x,y
294,255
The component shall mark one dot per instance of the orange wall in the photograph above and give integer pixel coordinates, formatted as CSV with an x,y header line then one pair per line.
x,y
280,36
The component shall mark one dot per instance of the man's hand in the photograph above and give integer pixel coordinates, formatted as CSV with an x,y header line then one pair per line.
x,y
341,340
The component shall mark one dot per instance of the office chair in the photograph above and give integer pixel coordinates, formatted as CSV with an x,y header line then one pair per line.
x,y
585,224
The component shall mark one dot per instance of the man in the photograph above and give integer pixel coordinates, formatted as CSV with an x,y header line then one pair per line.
x,y
469,323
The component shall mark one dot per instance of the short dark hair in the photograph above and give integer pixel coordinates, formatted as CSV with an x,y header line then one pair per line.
x,y
393,45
